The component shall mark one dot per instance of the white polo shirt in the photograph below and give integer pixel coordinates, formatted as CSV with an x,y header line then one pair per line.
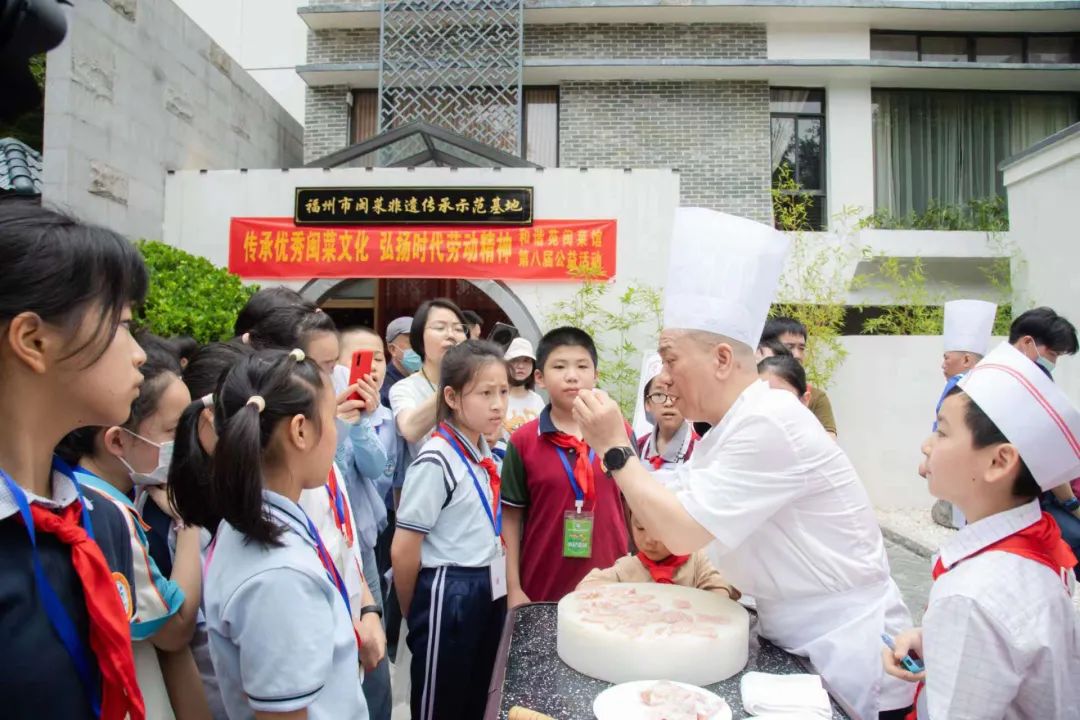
x,y
440,500
1001,637
280,636
407,394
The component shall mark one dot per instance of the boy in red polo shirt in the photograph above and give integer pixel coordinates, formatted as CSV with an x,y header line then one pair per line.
x,y
549,476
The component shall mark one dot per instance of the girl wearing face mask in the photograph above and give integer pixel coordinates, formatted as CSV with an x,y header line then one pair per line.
x,y
110,463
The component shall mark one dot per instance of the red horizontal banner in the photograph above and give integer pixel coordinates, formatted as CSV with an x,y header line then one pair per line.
x,y
548,250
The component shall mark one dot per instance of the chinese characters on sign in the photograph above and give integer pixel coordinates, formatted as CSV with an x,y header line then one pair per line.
x,y
413,206
548,250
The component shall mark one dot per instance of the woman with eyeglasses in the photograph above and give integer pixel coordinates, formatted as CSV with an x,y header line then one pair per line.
x,y
438,325
672,439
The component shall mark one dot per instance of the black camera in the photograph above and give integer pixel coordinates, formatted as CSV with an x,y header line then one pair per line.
x,y
27,27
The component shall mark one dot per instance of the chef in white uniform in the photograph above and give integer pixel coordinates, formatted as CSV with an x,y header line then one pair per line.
x,y
967,328
777,502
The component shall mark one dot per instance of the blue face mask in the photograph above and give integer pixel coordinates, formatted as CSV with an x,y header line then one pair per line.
x,y
1045,364
411,361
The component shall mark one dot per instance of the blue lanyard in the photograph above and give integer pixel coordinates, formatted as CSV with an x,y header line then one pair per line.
x,y
54,609
496,518
332,573
579,494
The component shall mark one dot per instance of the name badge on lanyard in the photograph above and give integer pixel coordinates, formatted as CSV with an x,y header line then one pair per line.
x,y
577,523
497,568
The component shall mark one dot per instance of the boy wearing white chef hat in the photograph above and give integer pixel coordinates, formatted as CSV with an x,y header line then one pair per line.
x,y
968,324
778,503
1001,637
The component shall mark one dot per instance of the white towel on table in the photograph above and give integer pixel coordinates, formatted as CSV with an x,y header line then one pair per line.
x,y
792,696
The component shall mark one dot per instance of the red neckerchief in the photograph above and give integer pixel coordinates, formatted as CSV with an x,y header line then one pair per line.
x,y
657,460
488,464
110,632
663,571
338,508
1040,542
583,469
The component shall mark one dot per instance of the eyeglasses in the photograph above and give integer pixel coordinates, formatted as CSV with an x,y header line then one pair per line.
x,y
659,398
448,329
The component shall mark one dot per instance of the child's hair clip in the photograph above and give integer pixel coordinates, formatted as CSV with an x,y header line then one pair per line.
x,y
297,354
258,402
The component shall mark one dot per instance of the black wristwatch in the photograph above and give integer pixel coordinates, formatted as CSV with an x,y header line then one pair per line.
x,y
615,459
370,609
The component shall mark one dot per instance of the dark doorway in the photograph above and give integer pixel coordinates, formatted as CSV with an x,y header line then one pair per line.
x,y
402,297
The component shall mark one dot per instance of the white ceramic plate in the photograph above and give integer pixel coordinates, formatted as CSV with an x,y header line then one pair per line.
x,y
623,702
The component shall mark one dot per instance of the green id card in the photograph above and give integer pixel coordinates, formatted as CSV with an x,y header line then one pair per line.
x,y
577,534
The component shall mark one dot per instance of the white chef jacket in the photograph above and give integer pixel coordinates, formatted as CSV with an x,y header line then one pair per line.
x,y
794,528
1001,637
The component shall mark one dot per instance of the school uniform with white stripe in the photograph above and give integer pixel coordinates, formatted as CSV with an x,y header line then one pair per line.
x,y
455,620
281,632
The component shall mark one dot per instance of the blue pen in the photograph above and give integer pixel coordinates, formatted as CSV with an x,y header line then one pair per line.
x,y
911,662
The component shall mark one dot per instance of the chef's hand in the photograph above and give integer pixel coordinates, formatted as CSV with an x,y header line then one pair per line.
x,y
600,420
372,641
905,642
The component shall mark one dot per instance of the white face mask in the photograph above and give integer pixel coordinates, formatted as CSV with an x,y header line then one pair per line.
x,y
160,474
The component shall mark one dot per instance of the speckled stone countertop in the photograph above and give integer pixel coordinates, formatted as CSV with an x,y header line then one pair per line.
x,y
537,679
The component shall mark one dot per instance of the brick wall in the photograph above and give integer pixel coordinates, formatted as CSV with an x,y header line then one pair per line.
x,y
715,133
327,126
339,46
645,40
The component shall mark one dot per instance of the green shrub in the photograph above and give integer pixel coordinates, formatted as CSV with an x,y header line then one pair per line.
x,y
987,214
189,295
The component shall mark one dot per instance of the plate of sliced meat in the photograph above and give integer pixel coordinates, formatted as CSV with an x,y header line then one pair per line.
x,y
659,700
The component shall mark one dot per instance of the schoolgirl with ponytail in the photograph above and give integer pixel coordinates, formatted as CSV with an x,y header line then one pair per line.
x,y
304,326
277,610
448,555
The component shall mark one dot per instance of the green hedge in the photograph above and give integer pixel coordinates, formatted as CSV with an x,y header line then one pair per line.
x,y
189,295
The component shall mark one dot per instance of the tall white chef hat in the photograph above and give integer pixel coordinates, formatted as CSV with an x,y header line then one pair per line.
x,y
968,324
1031,411
723,274
651,365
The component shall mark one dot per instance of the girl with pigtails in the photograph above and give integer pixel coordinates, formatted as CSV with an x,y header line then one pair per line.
x,y
278,613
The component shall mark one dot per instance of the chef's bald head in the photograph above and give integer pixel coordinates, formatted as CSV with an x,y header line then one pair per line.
x,y
742,352
705,371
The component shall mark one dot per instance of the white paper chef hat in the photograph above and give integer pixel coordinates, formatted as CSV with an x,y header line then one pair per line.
x,y
651,365
1031,411
968,325
723,274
